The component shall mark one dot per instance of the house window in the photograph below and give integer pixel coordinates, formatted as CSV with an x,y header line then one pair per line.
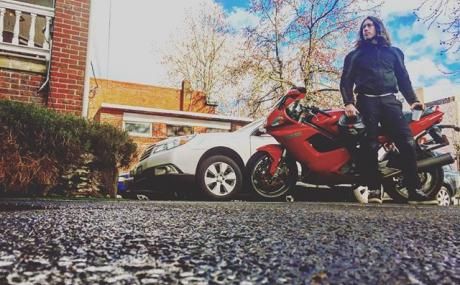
x,y
215,130
173,131
26,26
46,3
139,129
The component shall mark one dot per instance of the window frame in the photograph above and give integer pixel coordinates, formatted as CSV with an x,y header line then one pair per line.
x,y
29,3
185,126
136,134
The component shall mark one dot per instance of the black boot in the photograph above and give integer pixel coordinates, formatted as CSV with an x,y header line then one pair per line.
x,y
417,197
375,196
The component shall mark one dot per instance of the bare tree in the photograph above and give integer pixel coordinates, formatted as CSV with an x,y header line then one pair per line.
x,y
444,14
200,53
299,42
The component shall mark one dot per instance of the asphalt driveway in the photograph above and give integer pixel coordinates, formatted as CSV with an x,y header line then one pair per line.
x,y
165,242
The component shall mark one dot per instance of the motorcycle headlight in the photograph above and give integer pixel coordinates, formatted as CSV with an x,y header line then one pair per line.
x,y
172,143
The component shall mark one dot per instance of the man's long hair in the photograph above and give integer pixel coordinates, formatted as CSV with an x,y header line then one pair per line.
x,y
381,34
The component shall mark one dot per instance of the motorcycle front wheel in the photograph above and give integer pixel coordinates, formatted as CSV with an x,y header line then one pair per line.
x,y
267,186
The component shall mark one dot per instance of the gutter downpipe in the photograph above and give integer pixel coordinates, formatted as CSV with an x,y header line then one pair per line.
x,y
48,69
85,103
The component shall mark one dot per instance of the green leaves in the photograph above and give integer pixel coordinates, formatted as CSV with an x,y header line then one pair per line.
x,y
38,133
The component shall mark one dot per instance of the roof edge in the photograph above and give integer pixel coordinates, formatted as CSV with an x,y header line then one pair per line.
x,y
173,112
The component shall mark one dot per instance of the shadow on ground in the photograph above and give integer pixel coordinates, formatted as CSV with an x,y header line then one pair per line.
x,y
301,193
339,194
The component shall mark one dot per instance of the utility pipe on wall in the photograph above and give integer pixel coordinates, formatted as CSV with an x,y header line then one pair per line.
x,y
86,88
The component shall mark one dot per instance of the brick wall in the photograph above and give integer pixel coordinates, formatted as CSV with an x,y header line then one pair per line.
x,y
142,95
68,55
449,106
112,117
21,86
131,94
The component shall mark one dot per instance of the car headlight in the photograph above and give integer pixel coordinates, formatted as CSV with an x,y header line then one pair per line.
x,y
172,143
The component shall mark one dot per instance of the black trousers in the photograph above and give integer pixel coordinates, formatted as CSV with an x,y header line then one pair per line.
x,y
387,111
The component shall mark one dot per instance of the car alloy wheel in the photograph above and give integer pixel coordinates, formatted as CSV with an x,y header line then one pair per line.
x,y
220,178
443,197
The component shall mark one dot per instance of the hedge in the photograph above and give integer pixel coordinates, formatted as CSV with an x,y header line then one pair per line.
x,y
37,145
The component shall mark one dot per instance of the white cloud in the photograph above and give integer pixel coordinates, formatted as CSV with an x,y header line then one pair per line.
x,y
448,9
406,32
431,37
429,41
240,18
452,58
399,7
137,30
140,29
421,70
441,89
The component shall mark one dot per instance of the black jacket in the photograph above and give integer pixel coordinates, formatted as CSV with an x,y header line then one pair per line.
x,y
375,70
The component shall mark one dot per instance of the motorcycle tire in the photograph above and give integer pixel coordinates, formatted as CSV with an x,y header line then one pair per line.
x,y
431,182
261,183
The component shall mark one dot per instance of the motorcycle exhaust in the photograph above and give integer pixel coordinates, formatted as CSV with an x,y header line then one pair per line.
x,y
422,164
439,160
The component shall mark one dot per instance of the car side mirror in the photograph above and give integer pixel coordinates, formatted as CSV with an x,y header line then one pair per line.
x,y
261,130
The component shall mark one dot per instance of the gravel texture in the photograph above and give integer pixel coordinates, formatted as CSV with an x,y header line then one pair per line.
x,y
165,242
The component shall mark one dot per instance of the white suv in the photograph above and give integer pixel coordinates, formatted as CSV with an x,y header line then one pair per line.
x,y
215,162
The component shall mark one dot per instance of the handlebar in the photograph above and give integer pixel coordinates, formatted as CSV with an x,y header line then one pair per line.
x,y
300,112
457,129
324,113
316,110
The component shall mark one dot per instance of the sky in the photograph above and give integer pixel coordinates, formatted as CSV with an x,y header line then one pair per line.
x,y
126,41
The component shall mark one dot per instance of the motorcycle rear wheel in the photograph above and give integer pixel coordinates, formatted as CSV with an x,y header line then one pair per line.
x,y
431,181
262,183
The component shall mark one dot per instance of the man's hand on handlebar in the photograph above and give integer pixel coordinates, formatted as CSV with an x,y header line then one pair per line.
x,y
350,110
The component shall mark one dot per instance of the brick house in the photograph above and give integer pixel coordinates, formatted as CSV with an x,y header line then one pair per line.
x,y
152,113
43,48
451,107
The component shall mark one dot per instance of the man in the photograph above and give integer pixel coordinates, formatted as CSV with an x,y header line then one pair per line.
x,y
377,69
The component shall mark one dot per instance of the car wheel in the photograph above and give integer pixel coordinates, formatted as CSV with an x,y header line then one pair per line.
x,y
219,177
443,197
142,197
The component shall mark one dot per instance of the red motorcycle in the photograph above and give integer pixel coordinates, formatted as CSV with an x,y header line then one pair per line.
x,y
310,137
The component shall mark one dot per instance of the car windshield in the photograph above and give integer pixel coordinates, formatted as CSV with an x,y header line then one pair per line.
x,y
249,126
